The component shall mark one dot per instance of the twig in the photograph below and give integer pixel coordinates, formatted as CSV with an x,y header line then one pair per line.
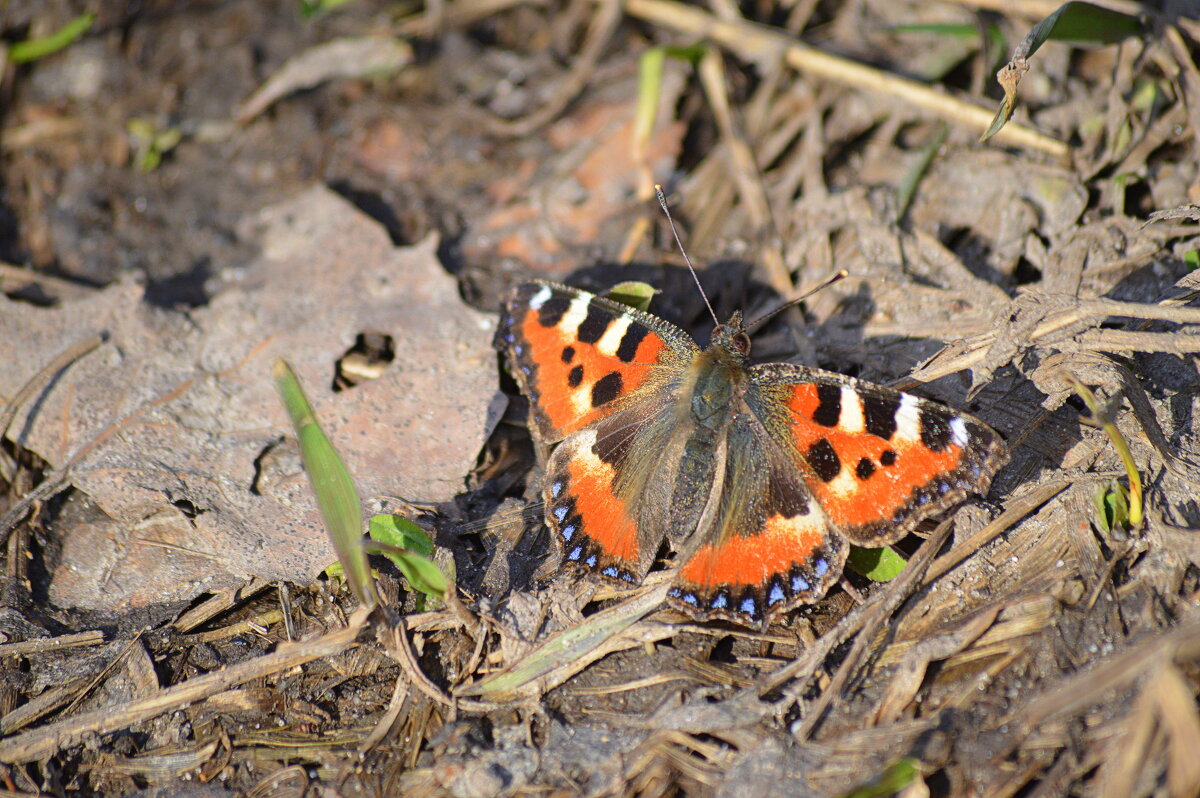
x,y
14,279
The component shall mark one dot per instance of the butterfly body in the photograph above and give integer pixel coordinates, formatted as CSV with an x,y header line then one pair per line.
x,y
757,476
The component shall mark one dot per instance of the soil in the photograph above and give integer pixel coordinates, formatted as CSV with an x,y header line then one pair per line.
x,y
1042,640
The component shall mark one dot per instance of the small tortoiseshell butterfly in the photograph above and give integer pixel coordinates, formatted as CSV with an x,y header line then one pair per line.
x,y
758,476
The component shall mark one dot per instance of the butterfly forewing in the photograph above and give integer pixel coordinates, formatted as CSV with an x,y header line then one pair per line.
x,y
578,356
877,460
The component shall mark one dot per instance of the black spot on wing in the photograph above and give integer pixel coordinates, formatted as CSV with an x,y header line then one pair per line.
x,y
829,405
824,460
568,354
879,413
630,341
575,377
887,457
935,430
607,388
592,328
552,311
864,469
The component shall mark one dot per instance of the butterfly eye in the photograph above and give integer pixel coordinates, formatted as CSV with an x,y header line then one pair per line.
x,y
741,343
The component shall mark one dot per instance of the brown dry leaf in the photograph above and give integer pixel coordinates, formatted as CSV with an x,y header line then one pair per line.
x,y
352,57
191,454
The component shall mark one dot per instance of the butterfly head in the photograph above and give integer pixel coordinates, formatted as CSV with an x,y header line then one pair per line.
x,y
731,337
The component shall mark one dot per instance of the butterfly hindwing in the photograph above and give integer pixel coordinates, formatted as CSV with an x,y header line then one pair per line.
x,y
578,356
768,546
877,460
605,489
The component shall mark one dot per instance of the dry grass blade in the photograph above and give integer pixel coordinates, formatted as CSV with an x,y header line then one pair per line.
x,y
218,603
1017,509
570,651
1075,692
362,56
388,720
895,593
745,171
600,31
41,743
1176,704
45,644
446,16
761,44
966,354
903,686
35,382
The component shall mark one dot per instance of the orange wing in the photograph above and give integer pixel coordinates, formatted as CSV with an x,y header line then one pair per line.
x,y
768,546
878,461
578,357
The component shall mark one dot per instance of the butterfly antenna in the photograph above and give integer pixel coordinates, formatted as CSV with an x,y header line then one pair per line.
x,y
662,200
828,281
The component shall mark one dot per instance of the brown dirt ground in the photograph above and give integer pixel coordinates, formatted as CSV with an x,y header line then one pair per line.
x,y
1026,650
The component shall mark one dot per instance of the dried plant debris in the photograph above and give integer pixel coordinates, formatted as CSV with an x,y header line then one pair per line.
x,y
161,629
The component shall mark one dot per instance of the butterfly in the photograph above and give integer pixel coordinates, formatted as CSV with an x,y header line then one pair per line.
x,y
758,477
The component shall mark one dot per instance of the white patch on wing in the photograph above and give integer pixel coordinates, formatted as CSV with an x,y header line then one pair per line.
x,y
611,340
576,313
908,418
581,399
958,433
537,300
844,483
851,418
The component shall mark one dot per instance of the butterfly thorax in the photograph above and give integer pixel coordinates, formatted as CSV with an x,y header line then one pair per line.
x,y
719,377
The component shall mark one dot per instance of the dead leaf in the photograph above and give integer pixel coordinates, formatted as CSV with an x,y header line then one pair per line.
x,y
351,57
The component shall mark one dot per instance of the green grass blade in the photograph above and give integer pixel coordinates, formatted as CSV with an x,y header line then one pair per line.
x,y
1082,24
894,779
337,496
33,49
908,186
568,649
949,29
